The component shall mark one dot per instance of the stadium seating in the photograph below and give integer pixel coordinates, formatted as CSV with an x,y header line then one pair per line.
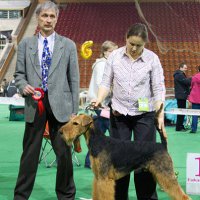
x,y
173,31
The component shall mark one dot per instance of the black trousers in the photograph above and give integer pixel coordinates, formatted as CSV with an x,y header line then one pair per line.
x,y
65,187
180,118
122,127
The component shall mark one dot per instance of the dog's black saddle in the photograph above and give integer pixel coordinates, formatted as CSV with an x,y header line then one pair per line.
x,y
123,155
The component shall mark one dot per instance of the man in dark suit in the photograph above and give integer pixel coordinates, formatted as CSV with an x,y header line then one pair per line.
x,y
182,90
47,64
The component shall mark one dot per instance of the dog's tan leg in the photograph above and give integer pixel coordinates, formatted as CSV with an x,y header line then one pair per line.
x,y
95,190
105,189
170,185
162,169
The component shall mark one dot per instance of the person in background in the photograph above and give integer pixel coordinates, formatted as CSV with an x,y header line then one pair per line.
x,y
97,74
1,91
194,98
42,60
5,86
136,77
182,90
11,89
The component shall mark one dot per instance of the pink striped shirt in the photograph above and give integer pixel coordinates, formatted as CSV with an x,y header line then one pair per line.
x,y
133,79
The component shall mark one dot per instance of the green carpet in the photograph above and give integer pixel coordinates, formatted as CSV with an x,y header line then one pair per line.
x,y
11,135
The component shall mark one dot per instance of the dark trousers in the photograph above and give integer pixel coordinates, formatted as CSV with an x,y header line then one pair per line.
x,y
180,118
65,187
122,127
195,118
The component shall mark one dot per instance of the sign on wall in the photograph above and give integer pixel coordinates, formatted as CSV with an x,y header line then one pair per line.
x,y
193,173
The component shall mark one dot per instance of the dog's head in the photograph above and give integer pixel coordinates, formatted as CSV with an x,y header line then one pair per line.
x,y
75,127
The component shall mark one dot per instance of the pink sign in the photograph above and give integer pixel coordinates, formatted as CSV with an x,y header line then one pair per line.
x,y
199,166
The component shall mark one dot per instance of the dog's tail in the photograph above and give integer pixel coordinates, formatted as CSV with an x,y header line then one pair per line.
x,y
163,139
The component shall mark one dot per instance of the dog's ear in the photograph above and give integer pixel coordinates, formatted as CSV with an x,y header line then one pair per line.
x,y
77,120
61,129
86,120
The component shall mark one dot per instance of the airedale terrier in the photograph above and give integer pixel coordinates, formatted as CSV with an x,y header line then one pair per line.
x,y
112,159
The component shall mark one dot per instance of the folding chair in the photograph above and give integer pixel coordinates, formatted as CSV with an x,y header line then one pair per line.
x,y
76,148
47,148
188,118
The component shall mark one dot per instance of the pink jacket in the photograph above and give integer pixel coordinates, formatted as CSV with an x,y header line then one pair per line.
x,y
194,96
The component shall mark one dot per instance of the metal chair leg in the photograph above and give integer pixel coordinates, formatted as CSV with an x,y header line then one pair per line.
x,y
74,158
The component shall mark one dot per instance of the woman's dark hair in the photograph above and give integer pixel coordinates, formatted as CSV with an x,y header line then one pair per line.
x,y
198,68
138,30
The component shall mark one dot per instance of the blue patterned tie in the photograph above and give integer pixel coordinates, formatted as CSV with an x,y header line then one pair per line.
x,y
46,63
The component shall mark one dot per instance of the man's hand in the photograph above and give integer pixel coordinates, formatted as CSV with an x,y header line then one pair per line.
x,y
28,90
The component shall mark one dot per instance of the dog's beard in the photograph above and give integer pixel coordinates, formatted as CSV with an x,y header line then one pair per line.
x,y
69,142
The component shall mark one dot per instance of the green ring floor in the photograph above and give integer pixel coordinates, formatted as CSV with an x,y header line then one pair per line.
x,y
11,135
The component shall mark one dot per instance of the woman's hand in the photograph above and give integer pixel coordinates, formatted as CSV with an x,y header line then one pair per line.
x,y
160,119
161,124
102,94
96,103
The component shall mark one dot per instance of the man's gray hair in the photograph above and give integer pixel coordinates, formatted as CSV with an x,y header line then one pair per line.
x,y
45,6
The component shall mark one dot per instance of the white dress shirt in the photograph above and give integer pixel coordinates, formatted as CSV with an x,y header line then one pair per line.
x,y
50,40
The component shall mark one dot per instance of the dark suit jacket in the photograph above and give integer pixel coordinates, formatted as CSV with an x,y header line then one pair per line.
x,y
181,85
63,78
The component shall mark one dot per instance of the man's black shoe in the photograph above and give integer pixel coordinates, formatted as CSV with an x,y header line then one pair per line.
x,y
192,131
181,130
87,166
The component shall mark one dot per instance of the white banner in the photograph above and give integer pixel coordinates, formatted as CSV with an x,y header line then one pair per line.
x,y
193,173
17,101
182,111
